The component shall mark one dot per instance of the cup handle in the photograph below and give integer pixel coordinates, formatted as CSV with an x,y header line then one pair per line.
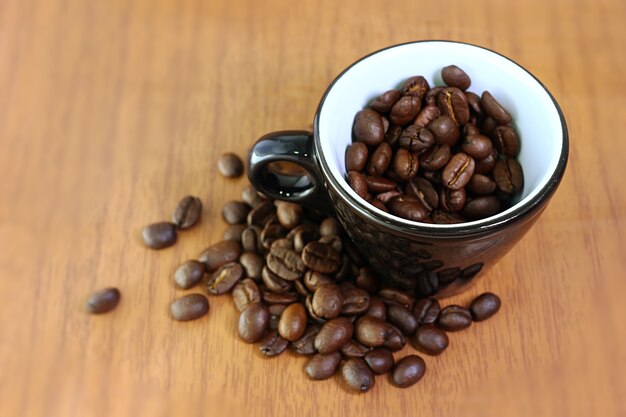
x,y
283,166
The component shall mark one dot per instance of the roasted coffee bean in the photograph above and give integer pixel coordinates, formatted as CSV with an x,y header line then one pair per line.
x,y
392,295
458,171
367,280
289,214
452,102
189,307
506,140
380,184
435,158
321,257
488,125
252,264
508,175
327,301
225,278
356,375
244,293
219,254
494,109
379,360
485,166
405,110
234,232
333,335
103,301
454,76
357,183
285,263
368,127
282,243
188,274
253,322
292,322
407,207
159,235
385,101
187,212
377,309
444,217
445,130
322,366
426,310
379,160
431,340
313,280
276,310
485,306
408,371
477,146
354,349
274,283
272,344
251,197
355,301
356,157
474,103
481,184
405,165
251,239
260,215
416,87
270,233
452,200
374,332
481,207
230,165
453,318
393,134
470,129
424,191
306,344
333,241
432,94
416,139
426,116
402,318
302,235
330,227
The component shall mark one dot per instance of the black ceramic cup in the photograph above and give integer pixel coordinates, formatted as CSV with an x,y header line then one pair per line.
x,y
429,259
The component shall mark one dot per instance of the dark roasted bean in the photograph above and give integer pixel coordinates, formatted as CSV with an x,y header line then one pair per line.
x,y
250,239
285,263
225,278
356,157
392,295
282,298
508,175
252,264
485,306
321,257
234,232
355,301
477,146
353,349
219,254
189,307
481,207
379,160
188,274
453,318
276,310
327,301
235,212
259,215
445,130
416,139
452,200
322,366
443,217
244,293
159,235
270,233
103,301
435,158
253,322
357,183
458,171
380,360
333,335
402,318
188,212
426,116
408,371
333,241
431,340
292,323
481,184
454,76
485,165
407,207
330,227
416,87
251,197
274,283
452,102
405,165
380,184
494,109
506,140
302,235
289,214
313,280
393,134
385,101
272,344
426,310
367,280
357,375
404,110
377,309
368,127
424,191
306,344
230,165
374,332
474,103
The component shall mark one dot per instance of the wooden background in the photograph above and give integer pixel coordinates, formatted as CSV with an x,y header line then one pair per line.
x,y
110,111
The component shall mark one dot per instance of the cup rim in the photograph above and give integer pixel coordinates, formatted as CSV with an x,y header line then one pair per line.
x,y
404,226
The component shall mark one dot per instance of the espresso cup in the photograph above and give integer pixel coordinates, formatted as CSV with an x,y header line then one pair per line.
x,y
428,259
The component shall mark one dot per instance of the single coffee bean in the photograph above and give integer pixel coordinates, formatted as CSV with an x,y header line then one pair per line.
x,y
431,340
322,366
481,207
252,265
354,349
285,263
506,140
327,301
276,310
357,375
234,232
225,278
426,116
355,301
452,200
426,310
244,293
495,109
377,309
408,371
188,274
508,176
321,257
405,164
454,76
481,184
458,171
452,102
474,103
292,322
306,344
485,306
445,130
380,184
261,214
485,166
368,127
333,335
219,254
453,318
407,207
416,87
384,102
235,212
374,332
230,165
189,307
380,160
330,227
289,214
435,158
405,110
357,183
416,139
272,344
253,322
159,235
274,283
402,318
380,360
477,146
395,296
103,301
187,212
251,197
423,190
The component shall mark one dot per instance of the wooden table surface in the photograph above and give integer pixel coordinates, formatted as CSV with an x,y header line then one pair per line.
x,y
110,111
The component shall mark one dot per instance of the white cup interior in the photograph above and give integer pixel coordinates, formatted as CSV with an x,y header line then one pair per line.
x,y
534,113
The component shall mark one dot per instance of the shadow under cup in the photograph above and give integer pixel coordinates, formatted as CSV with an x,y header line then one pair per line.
x,y
429,259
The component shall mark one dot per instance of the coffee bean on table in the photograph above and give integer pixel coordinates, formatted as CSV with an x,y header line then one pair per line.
x,y
280,298
431,340
159,235
285,263
235,212
356,301
333,335
245,292
321,257
454,318
292,323
234,232
253,322
426,310
272,344
377,309
485,306
374,332
380,360
368,127
219,254
276,310
261,214
356,157
306,344
225,278
402,318
230,165
353,349
357,375
250,239
187,212
327,301
494,109
189,307
454,76
103,301
322,366
188,274
251,197
252,264
408,371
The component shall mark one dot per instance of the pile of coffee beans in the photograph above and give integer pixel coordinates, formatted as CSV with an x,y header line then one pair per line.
x,y
435,155
164,234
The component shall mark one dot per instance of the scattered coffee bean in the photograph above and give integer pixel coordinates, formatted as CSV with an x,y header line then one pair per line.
x,y
251,197
306,344
272,344
380,360
235,212
103,301
377,309
244,293
327,301
357,375
356,301
285,263
454,76
321,258
219,254
190,273
333,335
159,235
484,306
252,264
230,165
187,212
408,371
276,310
189,307
292,322
426,310
374,332
402,318
454,318
353,349
495,109
225,278
322,366
289,214
431,340
234,232
253,322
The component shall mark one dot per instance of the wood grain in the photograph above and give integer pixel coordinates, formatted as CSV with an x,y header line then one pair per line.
x,y
110,111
